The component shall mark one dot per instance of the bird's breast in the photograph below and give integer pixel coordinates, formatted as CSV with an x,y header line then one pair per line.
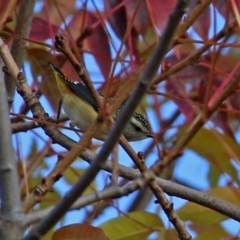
x,y
79,111
82,114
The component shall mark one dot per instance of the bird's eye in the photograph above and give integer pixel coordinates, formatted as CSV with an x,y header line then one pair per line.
x,y
138,129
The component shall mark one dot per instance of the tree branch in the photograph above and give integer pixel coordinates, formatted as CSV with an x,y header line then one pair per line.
x,y
108,193
222,93
24,20
141,88
11,214
171,188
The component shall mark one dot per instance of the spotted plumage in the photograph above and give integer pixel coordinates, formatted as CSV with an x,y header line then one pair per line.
x,y
82,109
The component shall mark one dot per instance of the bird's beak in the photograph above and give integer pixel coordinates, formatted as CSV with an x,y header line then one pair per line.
x,y
150,136
52,66
55,69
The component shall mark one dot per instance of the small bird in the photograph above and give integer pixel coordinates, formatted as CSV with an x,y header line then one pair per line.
x,y
82,109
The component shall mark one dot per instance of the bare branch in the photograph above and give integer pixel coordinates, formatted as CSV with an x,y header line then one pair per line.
x,y
25,126
171,188
24,20
11,213
191,18
109,193
177,190
166,205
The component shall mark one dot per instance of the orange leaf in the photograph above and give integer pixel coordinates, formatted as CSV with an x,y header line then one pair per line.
x,y
79,231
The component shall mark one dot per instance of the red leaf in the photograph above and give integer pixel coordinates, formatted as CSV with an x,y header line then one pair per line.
x,y
221,119
118,19
235,103
3,5
142,19
202,24
97,42
192,74
52,11
184,107
225,7
69,71
202,89
79,231
39,59
160,11
42,30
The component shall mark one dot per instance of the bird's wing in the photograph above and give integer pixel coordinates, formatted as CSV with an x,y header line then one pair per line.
x,y
82,91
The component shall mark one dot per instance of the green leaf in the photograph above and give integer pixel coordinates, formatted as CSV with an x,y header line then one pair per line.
x,y
33,154
133,226
213,176
33,149
199,214
149,40
168,234
208,231
216,148
51,199
72,174
48,235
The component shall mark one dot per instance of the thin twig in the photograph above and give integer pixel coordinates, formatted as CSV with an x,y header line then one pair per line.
x,y
24,20
108,193
171,188
62,44
26,126
144,82
193,57
192,17
166,205
223,92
